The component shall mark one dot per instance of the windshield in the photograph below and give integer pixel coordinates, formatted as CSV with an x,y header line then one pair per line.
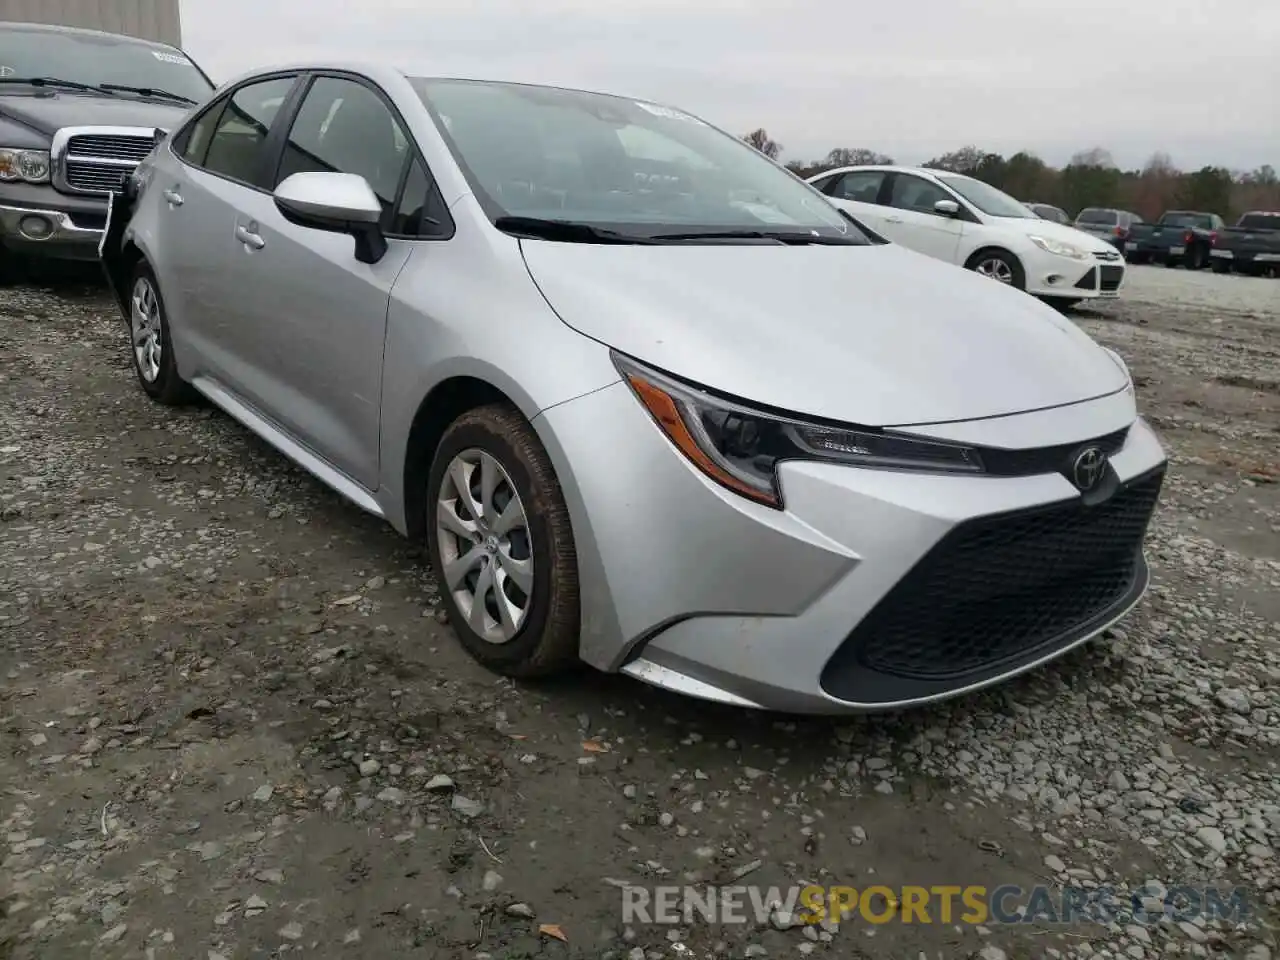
x,y
632,167
993,202
95,59
1178,219
1102,217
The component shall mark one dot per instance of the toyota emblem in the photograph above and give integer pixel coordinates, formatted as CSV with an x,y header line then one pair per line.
x,y
1088,467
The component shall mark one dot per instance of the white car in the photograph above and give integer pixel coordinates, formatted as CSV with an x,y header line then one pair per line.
x,y
973,225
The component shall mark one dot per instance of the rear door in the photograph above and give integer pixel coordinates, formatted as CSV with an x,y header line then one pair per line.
x,y
222,160
321,314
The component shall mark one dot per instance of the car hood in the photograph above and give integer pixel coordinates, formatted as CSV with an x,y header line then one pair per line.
x,y
875,335
1065,234
47,114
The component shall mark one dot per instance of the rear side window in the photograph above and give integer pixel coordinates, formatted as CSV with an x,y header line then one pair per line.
x,y
237,145
194,140
861,186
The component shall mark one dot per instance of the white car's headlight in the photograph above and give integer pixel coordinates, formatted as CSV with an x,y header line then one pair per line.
x,y
1058,248
740,448
29,165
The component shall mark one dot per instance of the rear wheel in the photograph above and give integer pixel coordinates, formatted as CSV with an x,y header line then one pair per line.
x,y
150,344
499,537
999,265
1221,266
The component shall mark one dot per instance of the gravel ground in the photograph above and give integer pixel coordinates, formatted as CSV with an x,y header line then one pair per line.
x,y
232,726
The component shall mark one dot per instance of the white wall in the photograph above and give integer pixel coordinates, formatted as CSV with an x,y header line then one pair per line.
x,y
149,19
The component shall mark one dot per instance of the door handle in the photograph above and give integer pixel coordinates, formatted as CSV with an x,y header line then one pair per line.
x,y
174,198
249,238
892,219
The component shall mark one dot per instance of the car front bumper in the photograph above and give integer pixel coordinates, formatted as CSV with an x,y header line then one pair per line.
x,y
1048,275
39,221
872,590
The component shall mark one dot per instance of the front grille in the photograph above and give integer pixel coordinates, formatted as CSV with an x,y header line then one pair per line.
x,y
999,589
1089,281
100,162
89,177
109,146
1110,277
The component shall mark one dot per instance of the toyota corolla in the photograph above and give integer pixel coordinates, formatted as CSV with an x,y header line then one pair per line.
x,y
652,402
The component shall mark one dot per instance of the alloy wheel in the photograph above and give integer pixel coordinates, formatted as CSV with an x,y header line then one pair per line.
x,y
996,269
486,559
144,324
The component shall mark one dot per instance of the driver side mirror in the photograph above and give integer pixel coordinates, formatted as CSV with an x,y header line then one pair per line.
x,y
337,203
947,208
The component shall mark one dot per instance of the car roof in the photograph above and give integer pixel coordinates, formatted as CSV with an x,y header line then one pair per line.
x,y
381,70
23,26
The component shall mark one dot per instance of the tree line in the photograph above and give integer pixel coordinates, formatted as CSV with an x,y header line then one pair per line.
x,y
1090,179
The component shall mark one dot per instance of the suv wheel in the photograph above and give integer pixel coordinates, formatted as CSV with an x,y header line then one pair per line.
x,y
149,342
500,540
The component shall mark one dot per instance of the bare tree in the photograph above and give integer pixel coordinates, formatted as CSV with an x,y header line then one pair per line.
x,y
855,157
1093,157
761,140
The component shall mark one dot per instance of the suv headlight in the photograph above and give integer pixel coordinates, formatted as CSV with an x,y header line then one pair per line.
x,y
1058,248
740,447
29,165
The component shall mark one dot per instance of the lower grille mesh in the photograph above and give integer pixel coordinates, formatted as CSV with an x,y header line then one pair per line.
x,y
999,588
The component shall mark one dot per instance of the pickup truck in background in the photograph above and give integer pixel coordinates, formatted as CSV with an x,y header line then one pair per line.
x,y
1179,236
1252,246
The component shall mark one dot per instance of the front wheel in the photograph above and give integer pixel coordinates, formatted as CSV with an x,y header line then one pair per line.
x,y
499,536
998,265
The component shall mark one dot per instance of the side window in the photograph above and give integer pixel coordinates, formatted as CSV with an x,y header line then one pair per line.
x,y
915,194
240,133
192,140
860,186
344,127
421,211
823,184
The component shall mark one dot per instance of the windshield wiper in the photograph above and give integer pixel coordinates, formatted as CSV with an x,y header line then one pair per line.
x,y
54,82
147,92
792,237
569,231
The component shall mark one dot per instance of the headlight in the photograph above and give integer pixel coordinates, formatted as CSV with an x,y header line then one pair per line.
x,y
29,165
740,448
1058,248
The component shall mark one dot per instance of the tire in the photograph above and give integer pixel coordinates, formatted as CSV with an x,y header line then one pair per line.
x,y
987,262
153,360
1221,266
1197,258
541,637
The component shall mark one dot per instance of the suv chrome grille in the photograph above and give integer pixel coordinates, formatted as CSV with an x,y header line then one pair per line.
x,y
98,160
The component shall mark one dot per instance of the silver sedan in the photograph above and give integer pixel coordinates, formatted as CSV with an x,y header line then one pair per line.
x,y
651,401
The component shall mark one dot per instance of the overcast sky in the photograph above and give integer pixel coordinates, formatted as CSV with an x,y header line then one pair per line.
x,y
1199,79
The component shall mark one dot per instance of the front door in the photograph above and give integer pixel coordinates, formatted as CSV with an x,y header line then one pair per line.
x,y
911,220
320,314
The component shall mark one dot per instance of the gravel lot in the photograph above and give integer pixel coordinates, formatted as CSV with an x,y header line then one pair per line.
x,y
232,726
